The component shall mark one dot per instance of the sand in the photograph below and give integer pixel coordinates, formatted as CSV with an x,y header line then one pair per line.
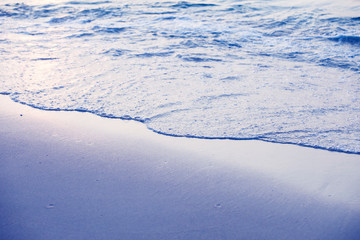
x,y
71,175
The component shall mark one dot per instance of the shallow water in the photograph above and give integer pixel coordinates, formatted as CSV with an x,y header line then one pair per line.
x,y
279,71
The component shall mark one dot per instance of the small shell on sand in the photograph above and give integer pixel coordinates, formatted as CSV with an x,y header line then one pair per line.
x,y
50,205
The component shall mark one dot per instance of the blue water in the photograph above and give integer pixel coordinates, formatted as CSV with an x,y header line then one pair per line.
x,y
273,70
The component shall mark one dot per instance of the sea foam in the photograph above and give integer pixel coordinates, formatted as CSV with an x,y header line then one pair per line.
x,y
267,70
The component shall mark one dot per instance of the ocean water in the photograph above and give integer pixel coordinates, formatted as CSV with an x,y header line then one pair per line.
x,y
273,70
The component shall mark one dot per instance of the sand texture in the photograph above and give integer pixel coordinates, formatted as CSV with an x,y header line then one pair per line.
x,y
70,175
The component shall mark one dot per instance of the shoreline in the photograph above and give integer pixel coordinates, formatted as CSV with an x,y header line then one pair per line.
x,y
74,175
187,136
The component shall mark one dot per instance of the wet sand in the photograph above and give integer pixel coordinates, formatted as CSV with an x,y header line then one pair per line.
x,y
70,175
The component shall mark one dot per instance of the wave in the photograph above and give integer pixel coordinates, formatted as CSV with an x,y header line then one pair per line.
x,y
352,40
87,2
184,4
249,70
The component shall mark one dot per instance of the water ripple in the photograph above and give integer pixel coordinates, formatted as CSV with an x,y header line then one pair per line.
x,y
275,71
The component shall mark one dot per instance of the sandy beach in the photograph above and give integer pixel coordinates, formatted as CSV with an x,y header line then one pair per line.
x,y
71,175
